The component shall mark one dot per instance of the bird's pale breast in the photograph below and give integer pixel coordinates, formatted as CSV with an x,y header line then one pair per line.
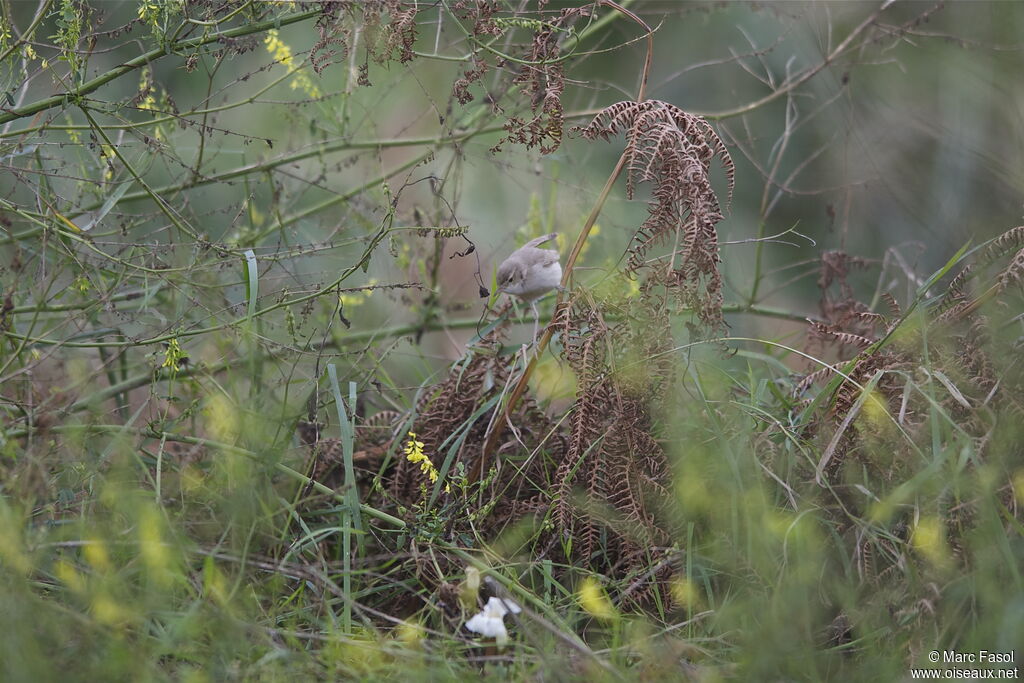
x,y
541,279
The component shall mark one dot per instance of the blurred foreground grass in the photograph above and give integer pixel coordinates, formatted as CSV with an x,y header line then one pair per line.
x,y
163,556
244,371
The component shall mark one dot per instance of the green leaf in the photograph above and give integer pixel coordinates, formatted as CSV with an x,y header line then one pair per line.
x,y
252,281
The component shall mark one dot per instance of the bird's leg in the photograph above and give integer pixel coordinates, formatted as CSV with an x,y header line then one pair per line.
x,y
536,321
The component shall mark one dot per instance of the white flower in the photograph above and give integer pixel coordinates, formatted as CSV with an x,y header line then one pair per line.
x,y
491,621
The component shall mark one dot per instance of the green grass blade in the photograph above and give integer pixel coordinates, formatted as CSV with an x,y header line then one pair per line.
x,y
350,516
252,281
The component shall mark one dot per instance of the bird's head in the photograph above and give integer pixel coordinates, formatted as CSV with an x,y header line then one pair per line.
x,y
510,278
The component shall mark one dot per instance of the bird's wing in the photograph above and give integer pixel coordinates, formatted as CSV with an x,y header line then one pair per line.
x,y
536,241
545,257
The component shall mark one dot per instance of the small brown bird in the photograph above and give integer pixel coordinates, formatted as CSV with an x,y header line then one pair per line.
x,y
530,273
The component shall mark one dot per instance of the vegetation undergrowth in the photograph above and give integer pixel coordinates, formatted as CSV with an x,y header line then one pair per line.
x,y
232,448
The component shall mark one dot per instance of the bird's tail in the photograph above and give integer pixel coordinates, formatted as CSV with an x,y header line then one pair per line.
x,y
537,241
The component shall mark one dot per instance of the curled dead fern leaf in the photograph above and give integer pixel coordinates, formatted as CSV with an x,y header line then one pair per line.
x,y
1009,241
1013,274
673,150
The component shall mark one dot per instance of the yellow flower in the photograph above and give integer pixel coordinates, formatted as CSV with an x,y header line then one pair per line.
x,y
108,610
173,356
222,418
1018,486
152,547
283,54
95,553
595,601
12,548
414,454
685,592
414,449
69,576
72,134
278,48
929,539
149,102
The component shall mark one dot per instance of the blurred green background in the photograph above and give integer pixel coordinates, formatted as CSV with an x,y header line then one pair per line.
x,y
901,148
130,217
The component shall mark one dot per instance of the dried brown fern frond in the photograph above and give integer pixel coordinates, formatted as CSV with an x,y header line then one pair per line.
x,y
849,432
446,406
974,335
402,34
673,150
331,45
835,268
1013,274
838,305
895,310
391,39
958,304
386,39
451,407
956,293
961,363
812,378
543,81
849,324
828,332
610,484
537,67
1010,241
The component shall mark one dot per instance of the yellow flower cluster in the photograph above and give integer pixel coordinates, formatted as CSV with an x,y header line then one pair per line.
x,y
72,134
107,156
414,454
283,54
32,54
149,13
595,601
173,356
149,103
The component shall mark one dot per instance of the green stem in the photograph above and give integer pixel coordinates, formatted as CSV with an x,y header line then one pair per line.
x,y
374,334
146,58
60,308
314,150
361,337
27,34
165,208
